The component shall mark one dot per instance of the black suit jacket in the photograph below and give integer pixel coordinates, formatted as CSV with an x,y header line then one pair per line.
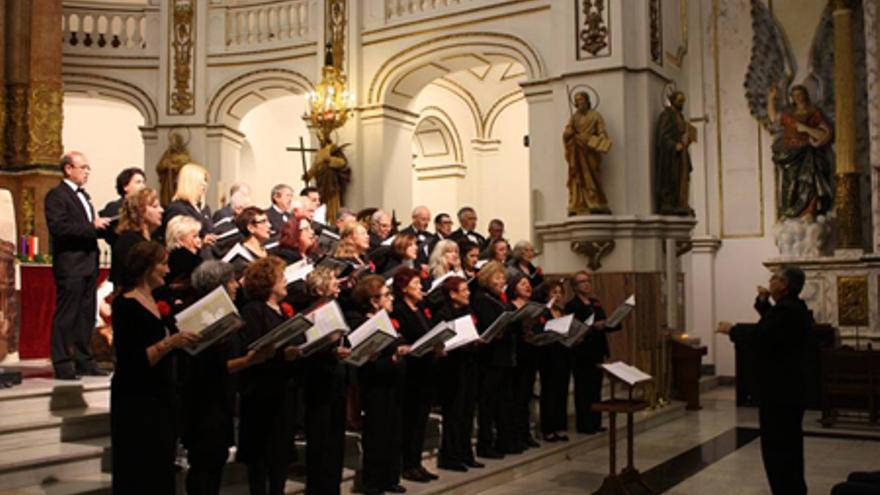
x,y
276,220
458,235
73,239
781,339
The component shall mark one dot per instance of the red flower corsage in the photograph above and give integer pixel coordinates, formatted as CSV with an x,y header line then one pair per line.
x,y
539,271
503,297
423,275
542,320
164,309
474,319
395,324
287,309
372,267
427,313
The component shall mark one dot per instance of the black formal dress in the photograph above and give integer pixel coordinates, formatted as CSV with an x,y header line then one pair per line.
x,y
381,383
459,390
460,234
266,434
180,207
143,415
209,409
554,365
73,241
124,242
533,273
418,386
781,338
524,375
585,360
181,264
497,359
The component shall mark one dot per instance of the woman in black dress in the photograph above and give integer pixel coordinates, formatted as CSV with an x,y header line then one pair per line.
x,y
403,252
459,385
189,200
381,383
325,393
129,181
139,216
183,243
418,390
496,435
525,371
209,392
554,363
297,241
521,261
266,436
142,400
470,256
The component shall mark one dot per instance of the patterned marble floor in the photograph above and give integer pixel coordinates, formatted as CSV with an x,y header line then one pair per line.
x,y
715,450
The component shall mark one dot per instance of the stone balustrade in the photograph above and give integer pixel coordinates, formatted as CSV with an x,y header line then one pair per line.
x,y
400,9
108,27
254,24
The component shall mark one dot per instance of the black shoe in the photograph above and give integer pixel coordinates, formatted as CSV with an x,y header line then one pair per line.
x,y
414,475
398,488
460,468
530,442
553,437
431,476
489,454
94,372
562,437
472,463
66,375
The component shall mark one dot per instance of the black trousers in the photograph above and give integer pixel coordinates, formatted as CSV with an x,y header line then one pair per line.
x,y
555,372
587,390
381,436
782,447
525,374
325,395
495,420
73,323
415,408
459,391
859,483
205,469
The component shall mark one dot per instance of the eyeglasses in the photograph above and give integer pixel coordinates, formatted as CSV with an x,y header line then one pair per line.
x,y
258,221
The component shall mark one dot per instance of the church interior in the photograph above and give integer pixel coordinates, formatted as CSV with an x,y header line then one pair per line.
x,y
671,155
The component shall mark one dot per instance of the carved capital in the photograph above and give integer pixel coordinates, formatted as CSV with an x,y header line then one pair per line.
x,y
593,250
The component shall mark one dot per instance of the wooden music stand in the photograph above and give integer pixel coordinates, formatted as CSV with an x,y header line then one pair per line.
x,y
616,483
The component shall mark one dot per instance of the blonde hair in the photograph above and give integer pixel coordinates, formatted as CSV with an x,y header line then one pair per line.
x,y
347,247
134,206
178,227
189,182
436,263
318,282
489,270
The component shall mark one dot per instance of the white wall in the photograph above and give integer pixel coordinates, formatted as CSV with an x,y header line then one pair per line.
x,y
270,128
107,132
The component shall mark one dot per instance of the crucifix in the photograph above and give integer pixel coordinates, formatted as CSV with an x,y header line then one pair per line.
x,y
302,151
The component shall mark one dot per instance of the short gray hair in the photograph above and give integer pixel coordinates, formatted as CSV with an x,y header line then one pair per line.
x,y
377,216
519,248
279,188
211,274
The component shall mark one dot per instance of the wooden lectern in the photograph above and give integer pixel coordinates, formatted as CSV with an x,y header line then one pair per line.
x,y
630,376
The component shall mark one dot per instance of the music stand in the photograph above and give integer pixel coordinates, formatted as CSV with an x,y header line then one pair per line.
x,y
630,376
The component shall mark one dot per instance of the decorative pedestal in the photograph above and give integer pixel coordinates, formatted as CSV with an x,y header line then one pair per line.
x,y
842,291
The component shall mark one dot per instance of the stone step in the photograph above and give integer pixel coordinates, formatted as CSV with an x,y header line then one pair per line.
x,y
708,383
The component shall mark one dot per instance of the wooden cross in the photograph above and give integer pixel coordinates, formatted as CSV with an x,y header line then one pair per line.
x,y
302,151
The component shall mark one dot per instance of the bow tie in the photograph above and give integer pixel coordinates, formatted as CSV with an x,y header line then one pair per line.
x,y
83,192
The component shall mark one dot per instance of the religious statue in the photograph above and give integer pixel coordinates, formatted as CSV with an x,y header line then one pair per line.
x,y
801,153
331,174
586,141
672,161
174,158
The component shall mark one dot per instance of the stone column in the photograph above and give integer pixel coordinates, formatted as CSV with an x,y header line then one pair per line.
x,y
847,193
384,169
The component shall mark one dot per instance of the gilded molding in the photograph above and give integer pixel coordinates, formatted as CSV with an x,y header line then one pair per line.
x,y
847,201
594,251
28,211
593,35
656,32
16,125
852,301
335,31
2,124
44,121
182,54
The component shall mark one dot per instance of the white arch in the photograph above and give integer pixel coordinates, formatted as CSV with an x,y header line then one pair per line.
x,y
242,93
450,45
114,89
447,127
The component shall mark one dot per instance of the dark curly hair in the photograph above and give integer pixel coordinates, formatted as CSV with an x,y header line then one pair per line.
x,y
403,277
125,177
142,258
245,218
261,275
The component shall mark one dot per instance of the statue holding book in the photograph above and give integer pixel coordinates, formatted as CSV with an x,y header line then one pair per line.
x,y
672,161
586,142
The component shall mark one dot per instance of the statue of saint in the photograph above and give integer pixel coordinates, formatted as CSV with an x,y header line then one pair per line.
x,y
672,161
331,174
801,153
586,141
174,158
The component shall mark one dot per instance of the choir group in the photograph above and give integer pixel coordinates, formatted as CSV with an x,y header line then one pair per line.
x,y
163,260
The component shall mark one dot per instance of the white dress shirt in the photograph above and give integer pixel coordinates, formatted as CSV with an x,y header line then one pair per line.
x,y
82,199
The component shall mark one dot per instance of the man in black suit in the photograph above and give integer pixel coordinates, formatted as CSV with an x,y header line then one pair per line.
x,y
239,193
467,220
421,217
380,228
279,212
73,236
781,338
